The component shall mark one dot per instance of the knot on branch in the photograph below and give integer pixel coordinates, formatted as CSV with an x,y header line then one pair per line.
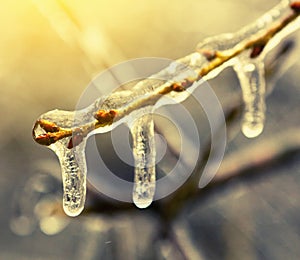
x,y
105,117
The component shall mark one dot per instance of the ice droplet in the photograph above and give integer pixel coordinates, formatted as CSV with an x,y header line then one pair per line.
x,y
252,80
144,157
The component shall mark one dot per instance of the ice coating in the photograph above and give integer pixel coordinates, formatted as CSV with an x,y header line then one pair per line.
x,y
144,157
228,41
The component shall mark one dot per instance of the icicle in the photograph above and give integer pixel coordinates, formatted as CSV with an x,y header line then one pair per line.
x,y
252,80
71,154
144,156
73,166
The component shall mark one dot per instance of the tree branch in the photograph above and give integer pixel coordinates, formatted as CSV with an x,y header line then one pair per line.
x,y
213,60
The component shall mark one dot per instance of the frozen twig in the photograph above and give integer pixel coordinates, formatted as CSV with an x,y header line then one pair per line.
x,y
214,59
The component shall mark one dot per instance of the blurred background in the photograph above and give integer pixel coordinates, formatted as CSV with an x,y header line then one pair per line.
x,y
49,52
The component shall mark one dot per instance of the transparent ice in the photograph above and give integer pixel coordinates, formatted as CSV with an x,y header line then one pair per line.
x,y
252,81
144,157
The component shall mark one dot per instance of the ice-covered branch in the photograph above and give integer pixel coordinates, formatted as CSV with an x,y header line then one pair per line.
x,y
66,132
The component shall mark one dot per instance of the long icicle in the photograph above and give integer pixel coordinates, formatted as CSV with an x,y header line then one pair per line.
x,y
252,80
144,157
73,167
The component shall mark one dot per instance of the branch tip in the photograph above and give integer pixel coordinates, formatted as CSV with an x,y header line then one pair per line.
x,y
44,139
48,126
295,6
